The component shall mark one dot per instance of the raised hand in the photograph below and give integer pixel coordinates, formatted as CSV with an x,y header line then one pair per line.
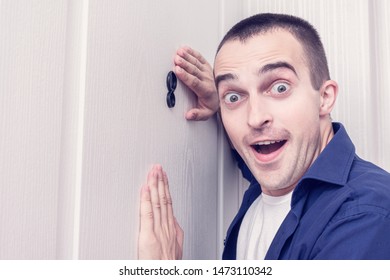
x,y
196,73
160,236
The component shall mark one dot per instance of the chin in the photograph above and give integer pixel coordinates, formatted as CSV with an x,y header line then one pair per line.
x,y
274,182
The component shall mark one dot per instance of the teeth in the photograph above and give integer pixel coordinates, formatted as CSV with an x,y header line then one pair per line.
x,y
268,142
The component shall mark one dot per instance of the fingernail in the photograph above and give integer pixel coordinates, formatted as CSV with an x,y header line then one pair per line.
x,y
191,116
145,188
178,69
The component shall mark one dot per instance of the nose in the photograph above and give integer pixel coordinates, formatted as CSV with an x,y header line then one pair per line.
x,y
259,114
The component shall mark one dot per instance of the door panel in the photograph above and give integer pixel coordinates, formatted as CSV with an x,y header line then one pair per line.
x,y
128,126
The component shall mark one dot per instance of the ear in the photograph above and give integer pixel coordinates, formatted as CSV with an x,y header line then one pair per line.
x,y
328,92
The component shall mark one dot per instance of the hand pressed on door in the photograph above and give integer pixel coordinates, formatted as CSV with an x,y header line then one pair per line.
x,y
160,236
196,73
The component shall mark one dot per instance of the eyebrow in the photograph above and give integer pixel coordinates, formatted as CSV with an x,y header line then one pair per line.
x,y
224,77
280,64
266,68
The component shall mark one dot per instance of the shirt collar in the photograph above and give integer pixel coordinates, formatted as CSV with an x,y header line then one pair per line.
x,y
335,161
331,166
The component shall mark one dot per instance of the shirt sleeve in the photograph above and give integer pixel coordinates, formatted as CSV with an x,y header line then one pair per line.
x,y
362,235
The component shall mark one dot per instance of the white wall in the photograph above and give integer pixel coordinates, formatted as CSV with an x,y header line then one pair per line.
x,y
32,62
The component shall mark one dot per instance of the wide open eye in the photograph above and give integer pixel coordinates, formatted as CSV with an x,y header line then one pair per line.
x,y
232,97
280,88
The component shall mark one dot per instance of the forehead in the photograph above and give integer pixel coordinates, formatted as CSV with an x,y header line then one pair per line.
x,y
273,46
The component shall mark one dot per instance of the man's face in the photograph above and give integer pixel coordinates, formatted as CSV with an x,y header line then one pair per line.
x,y
269,107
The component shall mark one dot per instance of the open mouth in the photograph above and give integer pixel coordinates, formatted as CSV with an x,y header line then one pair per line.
x,y
268,147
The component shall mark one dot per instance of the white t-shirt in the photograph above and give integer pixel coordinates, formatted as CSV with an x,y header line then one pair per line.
x,y
260,224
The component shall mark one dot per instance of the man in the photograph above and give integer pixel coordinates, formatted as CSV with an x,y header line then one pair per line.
x,y
311,196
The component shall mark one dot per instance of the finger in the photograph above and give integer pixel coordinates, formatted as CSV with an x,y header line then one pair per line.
x,y
192,55
171,221
163,199
146,211
194,65
197,114
183,56
191,68
189,79
184,75
156,207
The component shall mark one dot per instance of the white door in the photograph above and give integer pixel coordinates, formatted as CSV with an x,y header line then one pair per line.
x,y
128,126
84,116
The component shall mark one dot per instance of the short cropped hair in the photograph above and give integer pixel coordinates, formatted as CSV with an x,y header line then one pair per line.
x,y
303,31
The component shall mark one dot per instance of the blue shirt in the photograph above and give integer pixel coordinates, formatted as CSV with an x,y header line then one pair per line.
x,y
340,209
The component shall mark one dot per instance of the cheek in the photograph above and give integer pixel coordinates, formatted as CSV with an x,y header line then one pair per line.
x,y
303,122
301,112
